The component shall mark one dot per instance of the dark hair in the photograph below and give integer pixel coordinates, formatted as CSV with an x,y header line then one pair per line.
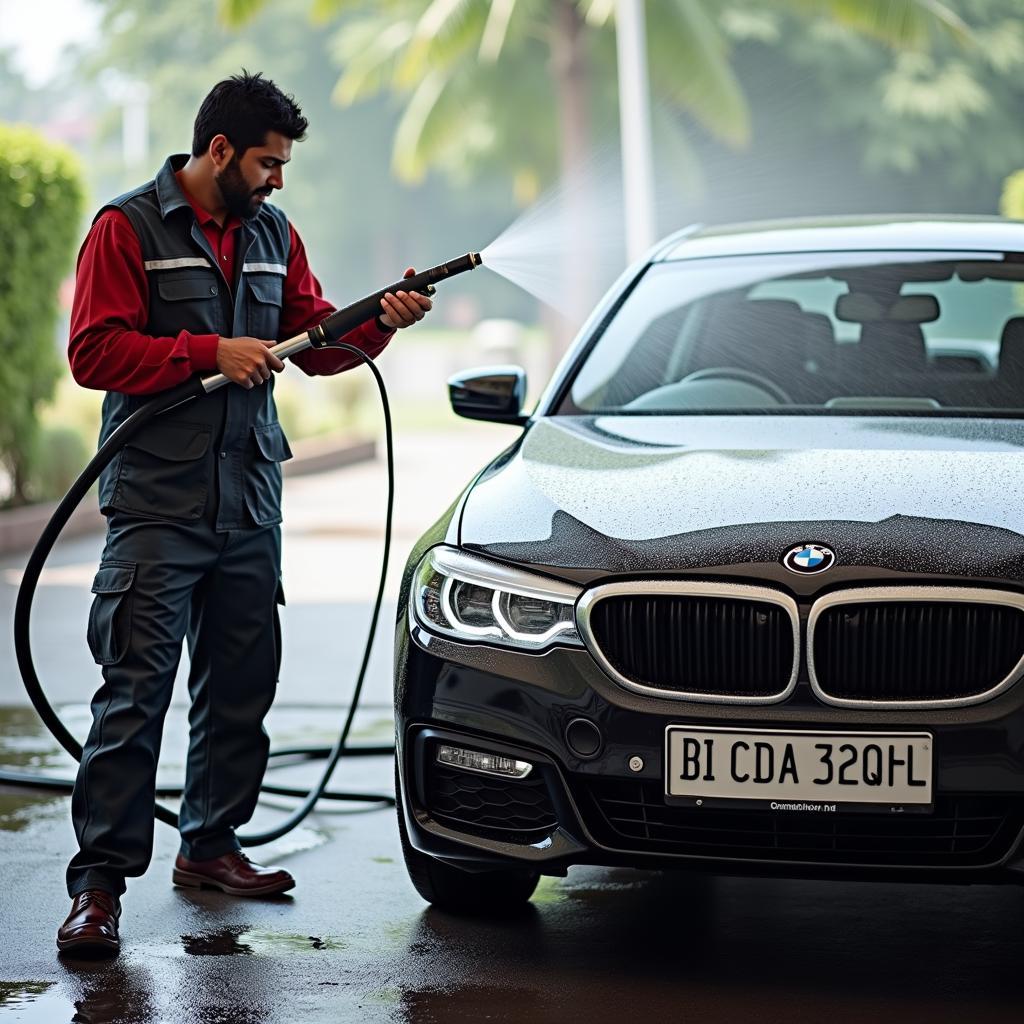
x,y
244,108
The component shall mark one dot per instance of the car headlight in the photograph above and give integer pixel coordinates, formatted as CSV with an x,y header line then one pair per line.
x,y
470,598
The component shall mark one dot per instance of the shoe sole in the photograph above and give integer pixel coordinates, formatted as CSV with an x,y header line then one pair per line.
x,y
187,880
89,948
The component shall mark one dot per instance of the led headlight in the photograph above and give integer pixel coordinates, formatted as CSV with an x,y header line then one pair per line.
x,y
471,598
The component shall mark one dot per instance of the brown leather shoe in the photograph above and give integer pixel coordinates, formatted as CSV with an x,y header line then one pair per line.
x,y
91,927
233,873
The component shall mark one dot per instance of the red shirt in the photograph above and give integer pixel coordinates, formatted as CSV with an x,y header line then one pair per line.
x,y
109,349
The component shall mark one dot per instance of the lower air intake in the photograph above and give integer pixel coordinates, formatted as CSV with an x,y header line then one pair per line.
x,y
963,831
509,810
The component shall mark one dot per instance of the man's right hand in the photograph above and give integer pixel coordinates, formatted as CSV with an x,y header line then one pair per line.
x,y
247,361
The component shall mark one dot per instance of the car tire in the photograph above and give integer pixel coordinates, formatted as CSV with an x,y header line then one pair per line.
x,y
475,893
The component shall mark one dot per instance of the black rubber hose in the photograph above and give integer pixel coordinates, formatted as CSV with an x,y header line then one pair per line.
x,y
341,321
56,784
287,755
186,392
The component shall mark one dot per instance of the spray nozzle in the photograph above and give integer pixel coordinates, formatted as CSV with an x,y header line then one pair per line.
x,y
344,320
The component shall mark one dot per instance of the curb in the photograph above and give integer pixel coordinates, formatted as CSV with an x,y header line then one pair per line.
x,y
319,454
20,527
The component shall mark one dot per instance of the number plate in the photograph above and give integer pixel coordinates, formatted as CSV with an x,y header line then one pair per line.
x,y
798,770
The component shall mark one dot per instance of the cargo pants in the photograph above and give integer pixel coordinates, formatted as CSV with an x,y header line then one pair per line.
x,y
160,582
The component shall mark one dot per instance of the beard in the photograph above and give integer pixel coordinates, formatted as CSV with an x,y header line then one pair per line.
x,y
239,198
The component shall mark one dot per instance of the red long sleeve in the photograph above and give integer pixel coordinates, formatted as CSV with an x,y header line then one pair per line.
x,y
108,348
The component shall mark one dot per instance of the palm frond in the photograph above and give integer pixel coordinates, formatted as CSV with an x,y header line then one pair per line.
x,y
235,13
367,50
496,29
323,11
440,43
407,160
598,12
689,65
440,17
901,24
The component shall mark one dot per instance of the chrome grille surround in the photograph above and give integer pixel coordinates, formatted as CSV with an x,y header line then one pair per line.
x,y
874,595
687,588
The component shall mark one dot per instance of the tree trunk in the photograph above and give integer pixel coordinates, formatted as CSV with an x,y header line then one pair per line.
x,y
571,75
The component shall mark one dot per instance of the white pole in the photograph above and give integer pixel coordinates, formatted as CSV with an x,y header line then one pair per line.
x,y
135,124
635,126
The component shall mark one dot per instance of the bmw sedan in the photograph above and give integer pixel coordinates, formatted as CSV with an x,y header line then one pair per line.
x,y
746,592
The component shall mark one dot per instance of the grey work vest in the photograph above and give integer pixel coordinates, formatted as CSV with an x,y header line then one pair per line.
x,y
226,446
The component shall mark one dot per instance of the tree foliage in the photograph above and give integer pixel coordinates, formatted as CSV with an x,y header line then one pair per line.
x,y
951,112
40,206
477,77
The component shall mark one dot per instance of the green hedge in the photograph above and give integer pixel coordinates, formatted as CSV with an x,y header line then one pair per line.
x,y
41,198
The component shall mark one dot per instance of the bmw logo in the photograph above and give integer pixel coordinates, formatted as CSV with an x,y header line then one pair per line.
x,y
808,559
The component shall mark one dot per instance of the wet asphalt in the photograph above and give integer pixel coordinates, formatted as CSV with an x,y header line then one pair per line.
x,y
354,942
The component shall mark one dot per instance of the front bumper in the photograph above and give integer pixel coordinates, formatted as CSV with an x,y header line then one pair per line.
x,y
596,810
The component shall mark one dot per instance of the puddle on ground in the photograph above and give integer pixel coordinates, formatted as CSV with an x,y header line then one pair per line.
x,y
26,746
221,943
255,942
24,742
34,1002
19,808
19,993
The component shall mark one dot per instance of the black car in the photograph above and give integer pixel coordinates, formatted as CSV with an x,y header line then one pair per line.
x,y
746,594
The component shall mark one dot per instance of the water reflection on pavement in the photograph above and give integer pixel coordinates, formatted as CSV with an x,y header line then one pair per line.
x,y
356,944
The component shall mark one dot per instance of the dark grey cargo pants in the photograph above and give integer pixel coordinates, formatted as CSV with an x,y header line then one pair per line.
x,y
158,583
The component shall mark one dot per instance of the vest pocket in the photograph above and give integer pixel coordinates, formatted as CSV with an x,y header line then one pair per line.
x,y
263,481
164,472
266,292
178,287
110,616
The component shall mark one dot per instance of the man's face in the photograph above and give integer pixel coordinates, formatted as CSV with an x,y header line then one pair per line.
x,y
246,182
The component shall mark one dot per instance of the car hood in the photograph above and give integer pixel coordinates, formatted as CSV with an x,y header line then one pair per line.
x,y
646,493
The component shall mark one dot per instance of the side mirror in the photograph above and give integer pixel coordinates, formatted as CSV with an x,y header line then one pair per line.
x,y
494,393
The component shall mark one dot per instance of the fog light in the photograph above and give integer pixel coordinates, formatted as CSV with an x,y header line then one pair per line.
x,y
489,764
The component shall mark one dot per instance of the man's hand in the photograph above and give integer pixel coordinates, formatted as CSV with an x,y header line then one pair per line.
x,y
247,361
402,309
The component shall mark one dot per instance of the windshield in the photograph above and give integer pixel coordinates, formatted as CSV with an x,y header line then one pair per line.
x,y
920,332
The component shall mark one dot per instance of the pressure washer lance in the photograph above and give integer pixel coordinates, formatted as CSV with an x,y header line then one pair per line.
x,y
339,323
324,335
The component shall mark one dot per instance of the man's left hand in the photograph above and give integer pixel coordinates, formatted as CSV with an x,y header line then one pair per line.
x,y
403,309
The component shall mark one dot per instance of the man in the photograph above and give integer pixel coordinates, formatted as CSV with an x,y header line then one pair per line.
x,y
192,272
